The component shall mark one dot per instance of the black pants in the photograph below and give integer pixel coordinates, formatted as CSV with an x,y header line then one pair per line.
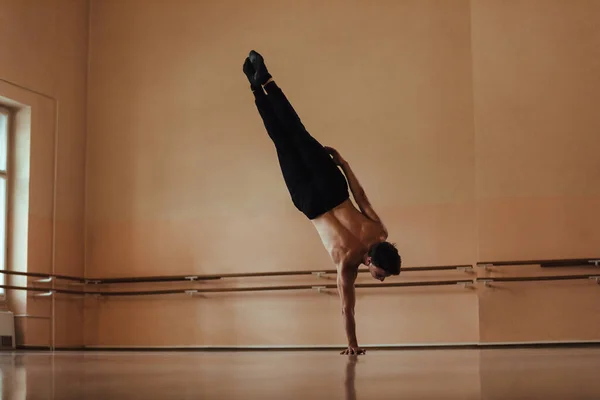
x,y
315,183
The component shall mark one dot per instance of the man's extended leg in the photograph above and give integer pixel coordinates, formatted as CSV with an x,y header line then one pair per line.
x,y
313,153
328,182
294,171
326,185
296,175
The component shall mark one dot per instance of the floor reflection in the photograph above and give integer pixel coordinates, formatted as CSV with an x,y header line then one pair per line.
x,y
313,375
350,378
13,375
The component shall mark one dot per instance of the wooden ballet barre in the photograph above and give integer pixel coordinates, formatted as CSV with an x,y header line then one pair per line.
x,y
194,277
32,316
44,276
283,287
464,282
539,278
98,281
45,290
152,279
566,262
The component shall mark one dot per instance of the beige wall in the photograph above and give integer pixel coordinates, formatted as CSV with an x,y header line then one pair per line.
x,y
536,87
182,177
470,124
43,65
538,177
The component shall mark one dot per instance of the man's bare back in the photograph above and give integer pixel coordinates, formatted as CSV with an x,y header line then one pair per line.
x,y
347,234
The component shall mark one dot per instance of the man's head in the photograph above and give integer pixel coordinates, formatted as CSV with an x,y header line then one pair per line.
x,y
383,260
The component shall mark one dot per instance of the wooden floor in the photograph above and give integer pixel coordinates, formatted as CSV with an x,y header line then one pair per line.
x,y
416,374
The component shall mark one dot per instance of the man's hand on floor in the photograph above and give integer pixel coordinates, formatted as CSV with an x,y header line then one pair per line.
x,y
353,351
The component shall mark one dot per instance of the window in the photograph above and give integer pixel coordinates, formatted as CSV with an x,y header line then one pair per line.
x,y
4,146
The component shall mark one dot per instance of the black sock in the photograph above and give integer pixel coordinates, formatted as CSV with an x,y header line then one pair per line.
x,y
249,71
261,74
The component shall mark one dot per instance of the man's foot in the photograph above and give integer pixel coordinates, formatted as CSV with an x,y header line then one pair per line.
x,y
261,74
249,71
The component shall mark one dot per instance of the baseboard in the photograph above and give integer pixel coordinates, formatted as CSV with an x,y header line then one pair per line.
x,y
417,346
47,348
434,346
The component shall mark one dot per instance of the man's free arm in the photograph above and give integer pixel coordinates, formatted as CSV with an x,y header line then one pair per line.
x,y
360,196
358,192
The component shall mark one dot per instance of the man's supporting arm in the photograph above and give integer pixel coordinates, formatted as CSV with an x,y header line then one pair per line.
x,y
345,284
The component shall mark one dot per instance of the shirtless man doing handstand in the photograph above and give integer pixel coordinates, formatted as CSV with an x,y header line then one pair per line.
x,y
320,191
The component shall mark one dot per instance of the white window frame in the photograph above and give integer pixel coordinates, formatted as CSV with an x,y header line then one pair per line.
x,y
6,175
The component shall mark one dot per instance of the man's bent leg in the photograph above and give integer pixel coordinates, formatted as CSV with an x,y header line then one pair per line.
x,y
326,186
313,153
329,184
275,129
296,175
284,109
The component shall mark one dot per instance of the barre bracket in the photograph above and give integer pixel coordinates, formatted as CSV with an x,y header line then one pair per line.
x,y
319,289
486,282
486,267
45,294
32,316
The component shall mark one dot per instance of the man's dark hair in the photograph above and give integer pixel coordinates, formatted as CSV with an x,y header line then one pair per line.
x,y
385,256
